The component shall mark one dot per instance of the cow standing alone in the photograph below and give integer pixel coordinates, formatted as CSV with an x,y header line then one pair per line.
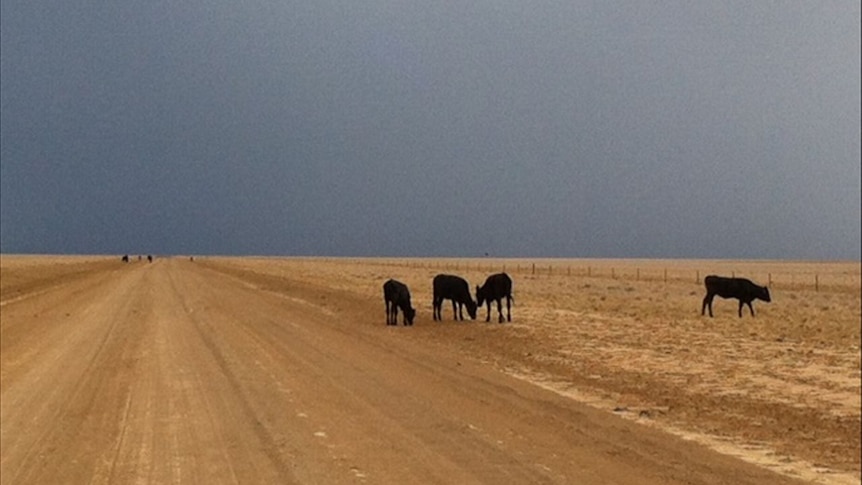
x,y
396,295
740,288
455,288
496,287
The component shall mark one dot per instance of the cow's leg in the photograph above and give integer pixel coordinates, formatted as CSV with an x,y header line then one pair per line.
x,y
508,308
499,311
387,312
394,314
740,308
435,305
488,310
750,308
707,303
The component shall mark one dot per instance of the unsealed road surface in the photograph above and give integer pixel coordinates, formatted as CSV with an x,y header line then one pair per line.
x,y
173,372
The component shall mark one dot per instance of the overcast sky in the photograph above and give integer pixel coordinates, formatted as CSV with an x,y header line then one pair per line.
x,y
397,128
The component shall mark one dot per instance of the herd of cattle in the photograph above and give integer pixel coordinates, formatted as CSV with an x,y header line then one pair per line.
x,y
498,286
450,287
396,296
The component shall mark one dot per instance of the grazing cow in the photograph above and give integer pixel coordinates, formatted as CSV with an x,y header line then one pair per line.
x,y
740,288
455,288
150,258
496,287
125,258
396,295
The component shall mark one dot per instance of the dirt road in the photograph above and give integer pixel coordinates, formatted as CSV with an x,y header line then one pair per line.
x,y
174,372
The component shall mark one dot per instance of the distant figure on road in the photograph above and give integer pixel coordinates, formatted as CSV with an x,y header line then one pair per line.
x,y
740,288
150,258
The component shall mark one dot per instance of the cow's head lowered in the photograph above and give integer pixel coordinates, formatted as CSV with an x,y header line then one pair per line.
x,y
471,308
409,313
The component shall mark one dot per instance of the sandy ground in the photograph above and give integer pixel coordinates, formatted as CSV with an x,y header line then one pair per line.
x,y
272,370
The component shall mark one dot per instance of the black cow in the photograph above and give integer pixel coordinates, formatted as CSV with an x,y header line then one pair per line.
x,y
496,287
740,288
455,288
396,295
125,258
150,258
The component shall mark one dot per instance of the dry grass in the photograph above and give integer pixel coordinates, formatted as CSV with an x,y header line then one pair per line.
x,y
782,388
22,274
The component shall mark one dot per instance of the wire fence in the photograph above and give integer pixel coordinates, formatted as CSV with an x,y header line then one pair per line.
x,y
783,275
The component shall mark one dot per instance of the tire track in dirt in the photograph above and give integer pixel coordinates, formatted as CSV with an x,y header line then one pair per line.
x,y
207,335
68,381
302,356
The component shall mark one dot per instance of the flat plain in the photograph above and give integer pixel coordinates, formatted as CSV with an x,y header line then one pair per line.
x,y
225,370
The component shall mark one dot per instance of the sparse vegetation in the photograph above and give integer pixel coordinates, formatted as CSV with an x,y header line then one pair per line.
x,y
787,380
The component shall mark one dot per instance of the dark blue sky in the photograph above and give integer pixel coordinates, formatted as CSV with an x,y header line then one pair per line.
x,y
570,129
